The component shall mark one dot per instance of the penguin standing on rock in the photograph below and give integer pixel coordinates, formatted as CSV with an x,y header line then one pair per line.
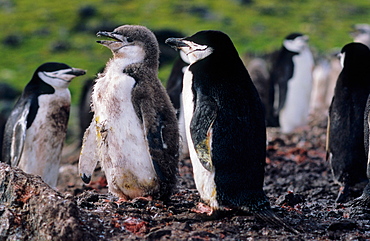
x,y
225,125
345,137
134,132
36,129
291,83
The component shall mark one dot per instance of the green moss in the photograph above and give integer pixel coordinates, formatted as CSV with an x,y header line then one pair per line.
x,y
257,27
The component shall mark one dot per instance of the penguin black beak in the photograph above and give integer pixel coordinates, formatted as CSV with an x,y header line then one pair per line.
x,y
176,43
112,35
104,34
76,72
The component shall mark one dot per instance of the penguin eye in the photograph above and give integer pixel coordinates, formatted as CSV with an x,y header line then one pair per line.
x,y
129,40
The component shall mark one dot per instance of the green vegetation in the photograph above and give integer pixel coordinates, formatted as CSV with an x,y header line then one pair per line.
x,y
34,32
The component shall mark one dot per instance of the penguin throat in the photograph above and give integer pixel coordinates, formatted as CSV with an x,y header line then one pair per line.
x,y
198,54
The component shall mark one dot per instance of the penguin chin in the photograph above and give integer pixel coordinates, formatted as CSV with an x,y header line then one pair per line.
x,y
55,81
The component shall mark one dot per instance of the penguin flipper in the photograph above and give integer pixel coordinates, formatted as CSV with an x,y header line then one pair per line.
x,y
88,160
201,129
156,143
327,147
327,139
18,136
283,89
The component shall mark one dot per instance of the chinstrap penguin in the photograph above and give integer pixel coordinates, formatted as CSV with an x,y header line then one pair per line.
x,y
291,82
134,132
37,126
361,34
225,125
345,136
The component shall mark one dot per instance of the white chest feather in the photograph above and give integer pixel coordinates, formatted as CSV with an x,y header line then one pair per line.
x,y
204,179
45,137
296,109
122,145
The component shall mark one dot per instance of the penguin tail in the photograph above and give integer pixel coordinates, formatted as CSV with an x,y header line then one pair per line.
x,y
268,216
363,200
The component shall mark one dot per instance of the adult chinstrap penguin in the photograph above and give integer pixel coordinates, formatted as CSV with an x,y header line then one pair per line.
x,y
361,34
134,132
345,137
225,125
291,83
36,128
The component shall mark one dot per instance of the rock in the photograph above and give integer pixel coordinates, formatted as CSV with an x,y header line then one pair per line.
x,y
290,199
31,210
342,225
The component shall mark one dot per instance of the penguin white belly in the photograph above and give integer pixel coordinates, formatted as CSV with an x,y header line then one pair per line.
x,y
122,145
296,109
184,149
45,137
204,179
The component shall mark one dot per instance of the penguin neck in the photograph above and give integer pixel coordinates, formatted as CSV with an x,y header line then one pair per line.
x,y
289,52
36,85
118,65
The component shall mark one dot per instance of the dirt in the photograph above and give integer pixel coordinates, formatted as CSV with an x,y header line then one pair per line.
x,y
298,182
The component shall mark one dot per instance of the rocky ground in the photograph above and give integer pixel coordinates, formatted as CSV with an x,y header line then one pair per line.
x,y
298,182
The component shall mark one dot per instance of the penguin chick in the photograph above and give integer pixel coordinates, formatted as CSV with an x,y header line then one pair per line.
x,y
345,137
134,132
291,79
225,125
37,126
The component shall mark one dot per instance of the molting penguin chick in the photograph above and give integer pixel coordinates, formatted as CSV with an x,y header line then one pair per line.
x,y
345,137
291,79
134,132
225,124
36,128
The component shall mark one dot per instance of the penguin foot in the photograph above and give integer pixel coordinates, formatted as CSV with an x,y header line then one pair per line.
x,y
146,198
121,200
269,217
202,208
343,194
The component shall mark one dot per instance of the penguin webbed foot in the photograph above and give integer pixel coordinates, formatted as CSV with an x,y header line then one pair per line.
x,y
206,212
145,198
269,217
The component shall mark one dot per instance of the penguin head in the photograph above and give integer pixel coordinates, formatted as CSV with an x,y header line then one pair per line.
x,y
355,56
58,75
134,43
204,43
295,42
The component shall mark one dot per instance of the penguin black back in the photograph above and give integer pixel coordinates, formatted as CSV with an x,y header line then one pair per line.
x,y
238,144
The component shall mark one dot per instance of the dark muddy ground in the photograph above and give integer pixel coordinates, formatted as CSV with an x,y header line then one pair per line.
x,y
298,182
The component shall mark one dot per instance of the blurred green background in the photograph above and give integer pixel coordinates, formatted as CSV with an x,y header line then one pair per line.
x,y
34,32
